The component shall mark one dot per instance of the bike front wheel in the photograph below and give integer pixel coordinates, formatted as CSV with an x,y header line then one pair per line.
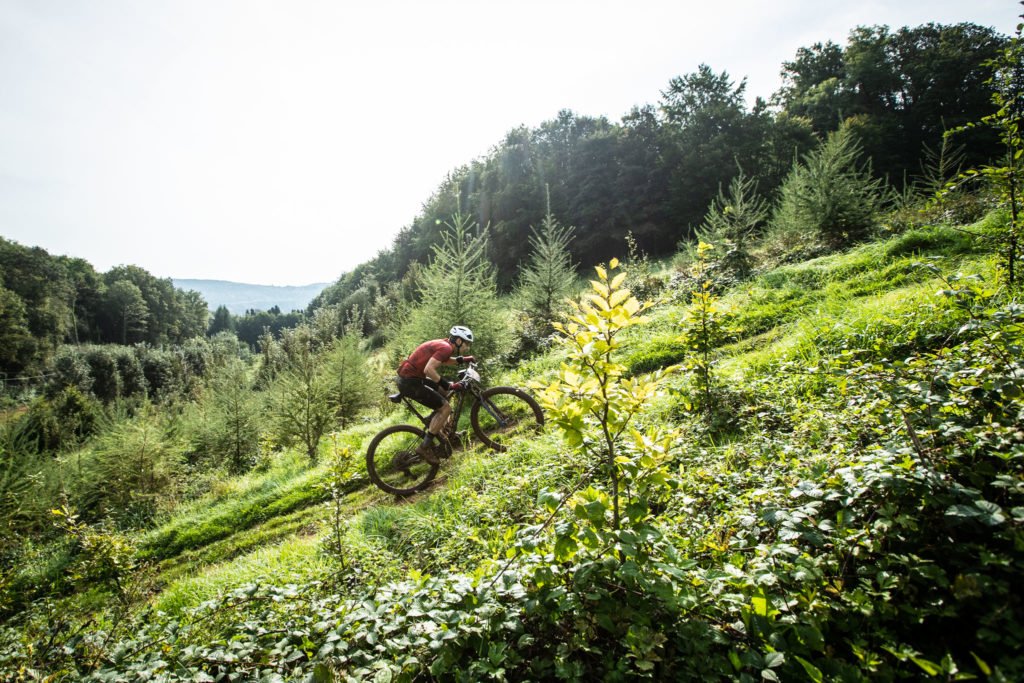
x,y
392,462
502,411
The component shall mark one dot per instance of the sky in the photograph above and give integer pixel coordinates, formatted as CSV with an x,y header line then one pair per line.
x,y
284,142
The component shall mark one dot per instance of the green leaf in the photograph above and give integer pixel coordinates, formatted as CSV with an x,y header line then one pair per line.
x,y
595,510
550,500
985,668
813,672
962,511
930,668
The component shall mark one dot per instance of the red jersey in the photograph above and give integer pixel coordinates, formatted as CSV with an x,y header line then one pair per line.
x,y
414,365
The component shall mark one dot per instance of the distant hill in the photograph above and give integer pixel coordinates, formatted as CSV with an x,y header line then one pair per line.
x,y
240,297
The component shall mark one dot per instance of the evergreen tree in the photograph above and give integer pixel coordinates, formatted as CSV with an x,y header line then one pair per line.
x,y
135,463
549,275
457,288
347,379
730,223
301,394
235,416
830,199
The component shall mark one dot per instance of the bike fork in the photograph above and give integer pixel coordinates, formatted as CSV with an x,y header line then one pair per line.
x,y
494,414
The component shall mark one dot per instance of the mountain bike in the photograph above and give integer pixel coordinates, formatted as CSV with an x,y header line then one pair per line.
x,y
494,414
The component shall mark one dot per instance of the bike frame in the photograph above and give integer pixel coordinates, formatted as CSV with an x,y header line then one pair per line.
x,y
473,389
391,455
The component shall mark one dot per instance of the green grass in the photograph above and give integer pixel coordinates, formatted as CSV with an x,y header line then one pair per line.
x,y
787,293
297,560
795,312
298,523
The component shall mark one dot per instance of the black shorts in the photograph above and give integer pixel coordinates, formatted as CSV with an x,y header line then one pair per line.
x,y
422,391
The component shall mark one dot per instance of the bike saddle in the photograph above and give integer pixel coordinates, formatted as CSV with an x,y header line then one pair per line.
x,y
395,398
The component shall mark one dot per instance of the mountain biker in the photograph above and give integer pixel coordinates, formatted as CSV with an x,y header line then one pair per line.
x,y
419,379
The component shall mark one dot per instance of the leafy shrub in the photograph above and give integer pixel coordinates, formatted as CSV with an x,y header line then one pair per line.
x,y
640,277
961,209
103,557
106,380
62,422
705,325
162,370
40,427
197,355
129,370
68,368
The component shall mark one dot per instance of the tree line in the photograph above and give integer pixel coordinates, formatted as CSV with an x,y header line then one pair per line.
x,y
651,176
251,325
46,301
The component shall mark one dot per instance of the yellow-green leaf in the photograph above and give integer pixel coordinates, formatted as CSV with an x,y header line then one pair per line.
x,y
618,297
760,605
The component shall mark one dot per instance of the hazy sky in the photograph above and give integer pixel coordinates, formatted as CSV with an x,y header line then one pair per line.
x,y
285,142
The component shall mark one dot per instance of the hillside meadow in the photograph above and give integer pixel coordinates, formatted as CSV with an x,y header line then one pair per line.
x,y
834,493
791,449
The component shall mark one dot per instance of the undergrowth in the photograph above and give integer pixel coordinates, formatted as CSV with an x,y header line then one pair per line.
x,y
850,508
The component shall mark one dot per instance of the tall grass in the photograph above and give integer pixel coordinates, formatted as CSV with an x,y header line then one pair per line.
x,y
297,560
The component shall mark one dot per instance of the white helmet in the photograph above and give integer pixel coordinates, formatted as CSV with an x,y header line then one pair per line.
x,y
463,333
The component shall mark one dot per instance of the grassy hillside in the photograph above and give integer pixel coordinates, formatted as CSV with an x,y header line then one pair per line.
x,y
842,501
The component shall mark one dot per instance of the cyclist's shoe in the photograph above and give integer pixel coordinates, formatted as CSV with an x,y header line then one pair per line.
x,y
426,451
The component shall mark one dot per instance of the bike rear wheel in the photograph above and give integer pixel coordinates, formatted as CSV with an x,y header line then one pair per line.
x,y
392,462
507,410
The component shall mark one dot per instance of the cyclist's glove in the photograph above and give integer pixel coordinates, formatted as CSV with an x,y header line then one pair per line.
x,y
465,359
457,386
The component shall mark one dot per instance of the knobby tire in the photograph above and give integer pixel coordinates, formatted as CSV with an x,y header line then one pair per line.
x,y
392,464
515,407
